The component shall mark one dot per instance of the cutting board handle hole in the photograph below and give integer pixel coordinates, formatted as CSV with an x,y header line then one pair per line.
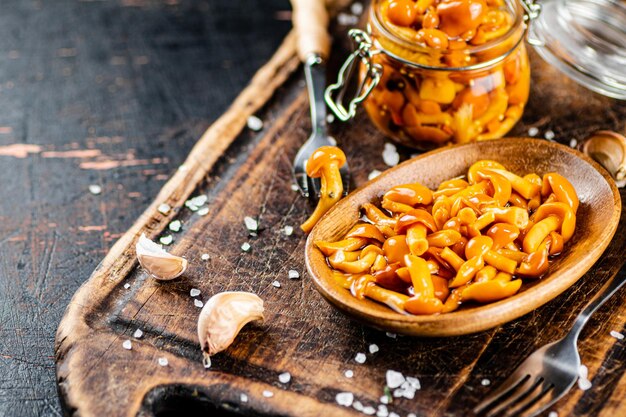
x,y
188,401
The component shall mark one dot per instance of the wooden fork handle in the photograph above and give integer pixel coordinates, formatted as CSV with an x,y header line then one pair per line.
x,y
310,20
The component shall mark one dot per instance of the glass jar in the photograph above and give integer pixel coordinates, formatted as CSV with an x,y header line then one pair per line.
x,y
425,88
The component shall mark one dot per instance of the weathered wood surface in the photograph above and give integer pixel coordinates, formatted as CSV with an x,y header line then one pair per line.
x,y
302,333
113,93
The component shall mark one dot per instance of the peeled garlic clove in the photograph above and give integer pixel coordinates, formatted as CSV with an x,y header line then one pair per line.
x,y
160,264
222,318
609,149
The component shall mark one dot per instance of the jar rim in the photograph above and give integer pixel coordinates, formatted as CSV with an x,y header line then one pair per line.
x,y
519,22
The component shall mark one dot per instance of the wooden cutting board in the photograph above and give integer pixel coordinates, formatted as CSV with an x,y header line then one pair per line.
x,y
245,173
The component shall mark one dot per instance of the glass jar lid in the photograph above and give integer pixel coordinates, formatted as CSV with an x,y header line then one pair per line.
x,y
586,40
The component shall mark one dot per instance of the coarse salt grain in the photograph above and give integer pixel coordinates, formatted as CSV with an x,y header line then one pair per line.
x,y
373,174
533,131
293,274
198,201
360,358
549,135
357,406
356,8
384,399
411,415
284,378
251,224
268,394
392,414
373,348
349,373
345,398
127,345
127,285
288,230
391,335
369,410
276,284
205,257
194,292
485,382
198,303
183,168
391,157
175,226
573,143
254,123
138,334
243,398
617,335
583,372
332,141
394,379
95,189
553,414
330,118
166,240
584,384
294,187
164,208
413,382
245,246
163,361
382,411
203,211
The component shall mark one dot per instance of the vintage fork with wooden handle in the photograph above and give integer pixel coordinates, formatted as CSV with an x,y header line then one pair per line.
x,y
549,373
310,20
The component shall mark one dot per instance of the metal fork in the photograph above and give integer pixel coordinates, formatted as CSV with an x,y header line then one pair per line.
x,y
310,20
549,373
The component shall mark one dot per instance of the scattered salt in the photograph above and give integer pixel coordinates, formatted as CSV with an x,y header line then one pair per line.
x,y
95,189
183,168
276,284
138,334
485,382
349,373
163,361
413,382
175,226
195,292
166,240
584,384
391,157
573,143
243,398
127,345
346,19
356,8
245,247
553,414
345,398
533,131
198,303
374,348
357,406
384,399
254,123
382,411
330,118
391,335
360,358
203,211
392,414
549,135
583,372
164,208
288,230
411,415
294,187
284,378
127,285
373,174
293,274
205,257
617,335
394,379
251,224
369,410
195,203
332,141
268,394
408,388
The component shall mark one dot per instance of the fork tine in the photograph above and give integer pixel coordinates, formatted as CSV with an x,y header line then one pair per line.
x,y
315,188
303,183
534,397
345,178
521,393
505,388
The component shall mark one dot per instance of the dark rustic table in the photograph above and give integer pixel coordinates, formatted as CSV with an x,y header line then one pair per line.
x,y
109,93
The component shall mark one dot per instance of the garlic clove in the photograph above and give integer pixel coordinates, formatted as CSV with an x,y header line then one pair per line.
x,y
609,149
160,264
222,318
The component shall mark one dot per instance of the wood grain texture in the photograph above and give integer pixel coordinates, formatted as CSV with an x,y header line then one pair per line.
x,y
597,221
302,333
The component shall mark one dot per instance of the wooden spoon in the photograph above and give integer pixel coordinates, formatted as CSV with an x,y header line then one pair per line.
x,y
597,219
